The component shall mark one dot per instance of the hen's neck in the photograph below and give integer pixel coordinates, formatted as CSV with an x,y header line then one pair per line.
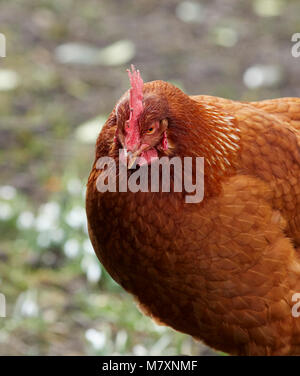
x,y
206,131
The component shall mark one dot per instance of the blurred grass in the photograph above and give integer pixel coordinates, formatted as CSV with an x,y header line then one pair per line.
x,y
65,66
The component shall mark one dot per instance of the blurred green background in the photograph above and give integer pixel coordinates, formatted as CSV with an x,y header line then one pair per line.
x,y
65,68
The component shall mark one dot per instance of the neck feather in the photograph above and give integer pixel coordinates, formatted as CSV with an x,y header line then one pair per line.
x,y
205,131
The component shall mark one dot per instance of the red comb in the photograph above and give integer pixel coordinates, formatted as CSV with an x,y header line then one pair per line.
x,y
136,107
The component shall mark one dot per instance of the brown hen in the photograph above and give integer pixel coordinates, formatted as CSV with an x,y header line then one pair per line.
x,y
223,270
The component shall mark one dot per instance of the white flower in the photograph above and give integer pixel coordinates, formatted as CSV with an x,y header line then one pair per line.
x,y
29,308
71,248
48,216
93,273
262,75
226,36
121,339
96,338
25,220
268,8
118,53
27,304
87,246
5,211
76,217
89,131
139,350
51,209
7,192
190,11
9,79
92,268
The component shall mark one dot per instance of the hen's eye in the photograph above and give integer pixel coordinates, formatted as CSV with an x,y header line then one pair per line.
x,y
150,130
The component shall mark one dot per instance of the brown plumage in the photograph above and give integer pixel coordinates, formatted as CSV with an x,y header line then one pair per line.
x,y
223,270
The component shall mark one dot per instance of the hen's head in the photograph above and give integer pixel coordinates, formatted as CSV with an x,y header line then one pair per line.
x,y
156,118
142,120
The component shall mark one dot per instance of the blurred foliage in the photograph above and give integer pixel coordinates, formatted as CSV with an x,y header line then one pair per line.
x,y
64,70
60,300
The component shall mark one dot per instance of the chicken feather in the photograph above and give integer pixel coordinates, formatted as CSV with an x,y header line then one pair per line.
x,y
225,270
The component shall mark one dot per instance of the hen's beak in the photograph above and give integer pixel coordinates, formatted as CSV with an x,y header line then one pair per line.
x,y
132,157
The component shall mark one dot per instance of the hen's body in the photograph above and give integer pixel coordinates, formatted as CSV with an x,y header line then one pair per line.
x,y
224,270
